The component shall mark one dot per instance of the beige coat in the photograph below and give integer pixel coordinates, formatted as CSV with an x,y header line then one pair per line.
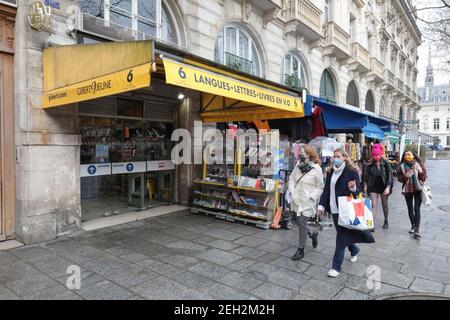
x,y
307,191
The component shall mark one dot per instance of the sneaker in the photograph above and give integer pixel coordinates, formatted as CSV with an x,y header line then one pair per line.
x,y
333,273
386,225
354,258
314,236
412,230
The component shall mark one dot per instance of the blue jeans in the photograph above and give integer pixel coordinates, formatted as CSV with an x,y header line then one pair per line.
x,y
339,253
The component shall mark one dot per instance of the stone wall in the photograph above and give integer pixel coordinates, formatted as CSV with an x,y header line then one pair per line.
x,y
47,171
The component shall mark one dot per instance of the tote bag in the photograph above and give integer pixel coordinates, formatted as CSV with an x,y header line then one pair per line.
x,y
355,214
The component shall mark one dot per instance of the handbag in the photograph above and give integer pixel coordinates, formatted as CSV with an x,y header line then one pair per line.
x,y
355,214
426,194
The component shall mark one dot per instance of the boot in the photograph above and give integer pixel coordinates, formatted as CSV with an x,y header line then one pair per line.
x,y
314,237
386,225
298,255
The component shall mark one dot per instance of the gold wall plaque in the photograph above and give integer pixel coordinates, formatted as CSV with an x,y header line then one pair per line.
x,y
40,17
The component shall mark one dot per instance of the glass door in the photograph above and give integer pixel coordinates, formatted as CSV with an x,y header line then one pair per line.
x,y
95,168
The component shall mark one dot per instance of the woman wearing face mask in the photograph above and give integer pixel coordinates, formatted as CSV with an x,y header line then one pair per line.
x,y
343,180
305,185
378,181
411,172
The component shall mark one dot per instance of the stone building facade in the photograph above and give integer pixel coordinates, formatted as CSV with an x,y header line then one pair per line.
x,y
353,52
434,116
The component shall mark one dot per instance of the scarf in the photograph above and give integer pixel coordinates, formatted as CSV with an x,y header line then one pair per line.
x,y
412,185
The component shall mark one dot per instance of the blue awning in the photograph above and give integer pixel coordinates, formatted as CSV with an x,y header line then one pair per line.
x,y
340,120
384,125
373,131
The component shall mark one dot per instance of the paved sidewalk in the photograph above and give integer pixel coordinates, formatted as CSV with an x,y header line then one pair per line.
x,y
185,256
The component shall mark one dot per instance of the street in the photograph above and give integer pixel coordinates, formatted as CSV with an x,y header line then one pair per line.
x,y
186,256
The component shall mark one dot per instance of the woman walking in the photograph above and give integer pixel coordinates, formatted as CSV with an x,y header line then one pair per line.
x,y
343,180
412,173
306,186
378,181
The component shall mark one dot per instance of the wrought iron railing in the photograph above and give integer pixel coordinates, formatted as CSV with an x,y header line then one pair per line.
x,y
238,63
292,81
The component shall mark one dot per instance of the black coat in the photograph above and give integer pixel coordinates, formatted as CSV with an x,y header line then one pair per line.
x,y
370,174
342,189
345,237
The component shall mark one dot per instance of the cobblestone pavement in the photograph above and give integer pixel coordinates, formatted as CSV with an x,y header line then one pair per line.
x,y
185,256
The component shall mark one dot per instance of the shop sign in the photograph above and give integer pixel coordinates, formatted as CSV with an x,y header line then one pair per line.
x,y
128,167
118,82
95,170
52,3
40,17
160,165
188,76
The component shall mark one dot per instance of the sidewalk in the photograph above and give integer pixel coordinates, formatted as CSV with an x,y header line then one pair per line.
x,y
185,256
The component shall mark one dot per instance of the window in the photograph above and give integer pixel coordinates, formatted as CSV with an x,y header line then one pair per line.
x,y
370,102
352,28
293,71
436,124
383,107
327,89
352,94
147,16
448,123
436,99
436,109
425,124
448,141
328,10
236,49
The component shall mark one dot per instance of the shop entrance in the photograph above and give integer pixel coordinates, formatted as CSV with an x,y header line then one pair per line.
x,y
125,161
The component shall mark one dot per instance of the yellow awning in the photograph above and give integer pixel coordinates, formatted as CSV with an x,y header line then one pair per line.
x,y
84,72
229,97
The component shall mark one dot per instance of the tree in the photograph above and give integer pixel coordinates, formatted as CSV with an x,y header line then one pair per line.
x,y
434,20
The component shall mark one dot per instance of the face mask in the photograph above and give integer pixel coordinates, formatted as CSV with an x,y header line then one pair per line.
x,y
338,163
409,158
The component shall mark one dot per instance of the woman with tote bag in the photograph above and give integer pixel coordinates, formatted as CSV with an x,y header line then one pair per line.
x,y
342,181
412,174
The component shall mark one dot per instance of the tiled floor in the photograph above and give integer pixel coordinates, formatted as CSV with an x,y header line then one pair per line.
x,y
186,256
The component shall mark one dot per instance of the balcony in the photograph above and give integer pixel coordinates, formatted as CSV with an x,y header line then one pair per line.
x,y
407,91
403,56
270,9
398,85
388,80
360,60
237,63
336,42
376,71
304,18
292,81
395,48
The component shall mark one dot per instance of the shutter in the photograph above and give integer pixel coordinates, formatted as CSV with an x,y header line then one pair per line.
x,y
158,110
101,107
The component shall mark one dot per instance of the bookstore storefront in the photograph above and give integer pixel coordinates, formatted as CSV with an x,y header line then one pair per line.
x,y
129,106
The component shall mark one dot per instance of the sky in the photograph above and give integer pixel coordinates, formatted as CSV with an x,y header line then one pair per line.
x,y
440,77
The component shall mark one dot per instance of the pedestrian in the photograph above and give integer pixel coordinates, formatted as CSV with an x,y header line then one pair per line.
x,y
305,186
412,174
378,182
342,181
